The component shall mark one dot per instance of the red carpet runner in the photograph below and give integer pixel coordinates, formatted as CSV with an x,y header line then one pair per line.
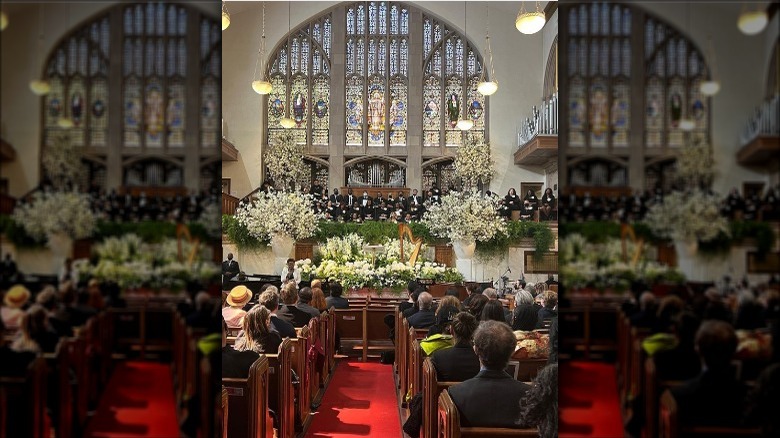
x,y
137,403
589,405
360,401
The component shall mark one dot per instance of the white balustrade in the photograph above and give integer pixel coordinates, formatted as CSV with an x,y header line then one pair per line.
x,y
542,121
764,121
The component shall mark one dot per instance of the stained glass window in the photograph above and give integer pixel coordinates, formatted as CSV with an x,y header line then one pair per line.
x,y
452,70
380,63
299,73
599,70
151,53
675,70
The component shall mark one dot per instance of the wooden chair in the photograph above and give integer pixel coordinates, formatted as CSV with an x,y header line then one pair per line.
x,y
449,424
247,402
281,387
431,390
29,392
669,426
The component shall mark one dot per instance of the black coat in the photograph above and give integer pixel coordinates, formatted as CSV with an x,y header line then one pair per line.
x,y
422,319
711,399
525,317
294,315
285,329
491,399
456,364
236,364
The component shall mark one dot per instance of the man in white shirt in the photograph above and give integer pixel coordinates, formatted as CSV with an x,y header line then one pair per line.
x,y
290,273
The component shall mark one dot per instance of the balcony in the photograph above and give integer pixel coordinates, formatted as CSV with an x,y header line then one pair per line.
x,y
537,141
229,152
760,139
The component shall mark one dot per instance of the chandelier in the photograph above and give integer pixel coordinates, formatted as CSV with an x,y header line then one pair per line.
x,y
530,22
287,122
465,123
261,86
485,87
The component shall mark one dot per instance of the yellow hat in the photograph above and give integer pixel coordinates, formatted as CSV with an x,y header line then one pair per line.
x,y
239,296
17,296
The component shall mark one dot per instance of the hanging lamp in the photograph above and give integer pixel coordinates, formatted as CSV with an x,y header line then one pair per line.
x,y
752,22
711,86
3,21
464,124
64,121
485,87
530,22
287,122
225,16
261,86
686,123
40,87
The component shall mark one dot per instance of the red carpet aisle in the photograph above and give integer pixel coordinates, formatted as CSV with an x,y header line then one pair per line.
x,y
360,401
589,404
137,403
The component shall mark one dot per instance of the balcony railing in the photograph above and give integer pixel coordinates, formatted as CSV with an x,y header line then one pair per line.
x,y
542,121
765,121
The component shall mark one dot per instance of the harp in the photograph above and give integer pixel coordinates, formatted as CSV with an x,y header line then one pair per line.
x,y
183,232
405,231
627,231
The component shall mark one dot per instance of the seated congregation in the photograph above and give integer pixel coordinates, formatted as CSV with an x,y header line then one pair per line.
x,y
701,362
443,350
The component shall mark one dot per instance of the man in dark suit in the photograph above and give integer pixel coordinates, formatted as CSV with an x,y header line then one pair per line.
x,y
415,199
270,299
335,198
490,399
229,268
349,200
425,317
460,362
715,397
290,312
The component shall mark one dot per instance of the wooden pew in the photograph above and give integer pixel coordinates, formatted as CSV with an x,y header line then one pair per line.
x,y
331,350
28,393
431,390
281,387
224,413
652,388
58,379
207,399
527,369
299,363
375,331
350,325
314,372
448,418
669,426
402,339
248,402
413,359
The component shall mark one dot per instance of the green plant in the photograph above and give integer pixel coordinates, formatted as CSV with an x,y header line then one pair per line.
x,y
516,231
239,234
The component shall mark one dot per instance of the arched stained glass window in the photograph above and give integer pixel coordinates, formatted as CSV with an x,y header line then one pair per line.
x,y
304,58
377,75
151,79
78,74
452,69
599,71
675,71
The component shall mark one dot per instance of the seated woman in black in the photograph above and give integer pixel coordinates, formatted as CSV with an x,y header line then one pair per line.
x,y
257,338
530,196
548,204
460,362
511,200
331,212
527,212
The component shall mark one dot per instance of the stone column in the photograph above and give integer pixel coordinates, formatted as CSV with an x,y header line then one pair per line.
x,y
414,136
337,122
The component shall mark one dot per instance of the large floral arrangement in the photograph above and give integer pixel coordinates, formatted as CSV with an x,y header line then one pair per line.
x,y
52,213
130,262
344,260
473,163
602,265
286,213
284,160
465,216
61,161
691,215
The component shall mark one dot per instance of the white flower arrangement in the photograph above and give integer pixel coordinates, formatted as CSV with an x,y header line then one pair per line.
x,y
61,161
52,213
211,219
305,267
473,163
601,265
688,217
464,216
286,213
284,160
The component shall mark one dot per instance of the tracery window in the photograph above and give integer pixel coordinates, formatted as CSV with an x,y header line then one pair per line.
x,y
599,70
305,58
150,79
452,68
377,74
375,173
441,173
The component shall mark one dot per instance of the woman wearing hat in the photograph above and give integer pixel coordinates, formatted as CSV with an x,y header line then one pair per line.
x,y
11,311
236,299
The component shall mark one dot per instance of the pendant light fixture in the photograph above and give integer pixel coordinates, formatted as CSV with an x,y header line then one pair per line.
x,y
711,86
64,121
40,87
3,21
287,122
464,124
225,16
752,22
530,22
485,87
261,86
686,123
